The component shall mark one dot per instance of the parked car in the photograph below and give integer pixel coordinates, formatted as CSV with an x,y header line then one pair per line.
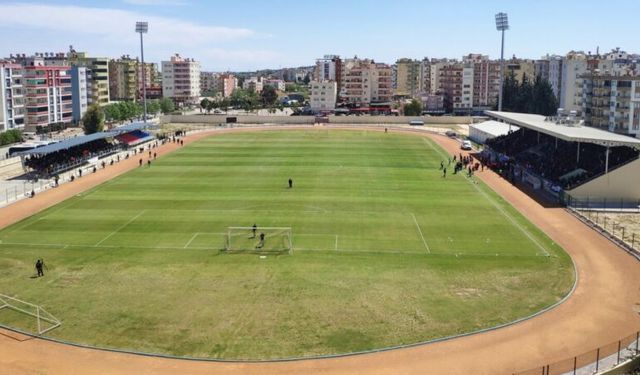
x,y
466,145
450,134
416,122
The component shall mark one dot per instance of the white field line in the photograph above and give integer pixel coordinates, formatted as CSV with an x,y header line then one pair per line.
x,y
456,254
499,208
420,231
191,240
336,247
120,228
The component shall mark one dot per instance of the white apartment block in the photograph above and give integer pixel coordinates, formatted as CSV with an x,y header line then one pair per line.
x,y
365,81
323,95
573,66
253,84
277,84
12,109
327,68
181,79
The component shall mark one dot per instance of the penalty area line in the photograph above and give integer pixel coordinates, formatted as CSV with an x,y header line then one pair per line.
x,y
191,240
120,228
421,235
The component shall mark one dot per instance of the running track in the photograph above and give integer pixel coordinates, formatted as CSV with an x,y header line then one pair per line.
x,y
600,311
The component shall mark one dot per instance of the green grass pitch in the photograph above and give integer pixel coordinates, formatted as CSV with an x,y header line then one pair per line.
x,y
385,251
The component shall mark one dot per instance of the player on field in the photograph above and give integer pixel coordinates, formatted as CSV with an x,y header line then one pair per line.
x,y
253,229
290,183
261,243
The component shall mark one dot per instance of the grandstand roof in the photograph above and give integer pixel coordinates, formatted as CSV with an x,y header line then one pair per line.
x,y
570,133
495,128
76,141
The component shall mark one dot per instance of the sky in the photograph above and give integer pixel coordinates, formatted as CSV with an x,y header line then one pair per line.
x,y
242,35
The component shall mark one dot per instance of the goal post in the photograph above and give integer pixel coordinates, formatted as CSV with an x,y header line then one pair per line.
x,y
45,321
243,239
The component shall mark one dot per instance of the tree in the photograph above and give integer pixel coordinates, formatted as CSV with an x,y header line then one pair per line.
x,y
413,109
211,105
224,105
153,107
112,112
204,104
93,120
269,95
166,105
527,97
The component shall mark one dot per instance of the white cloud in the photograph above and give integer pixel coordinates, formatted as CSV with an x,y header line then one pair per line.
x,y
111,32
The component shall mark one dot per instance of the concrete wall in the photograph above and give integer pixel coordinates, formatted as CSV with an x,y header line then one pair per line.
x,y
248,119
10,168
621,183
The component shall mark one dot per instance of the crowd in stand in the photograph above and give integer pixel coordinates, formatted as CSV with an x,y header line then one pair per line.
x,y
61,160
554,159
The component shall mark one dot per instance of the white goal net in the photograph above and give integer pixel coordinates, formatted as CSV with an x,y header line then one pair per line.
x,y
259,240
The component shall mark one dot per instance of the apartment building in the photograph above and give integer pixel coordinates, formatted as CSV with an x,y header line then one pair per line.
x,y
125,78
81,91
329,68
408,78
425,73
99,77
520,68
486,80
574,65
227,83
456,84
277,84
324,95
12,100
209,82
612,101
181,79
255,84
48,93
364,81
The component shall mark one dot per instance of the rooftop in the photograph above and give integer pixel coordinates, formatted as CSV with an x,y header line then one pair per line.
x,y
567,132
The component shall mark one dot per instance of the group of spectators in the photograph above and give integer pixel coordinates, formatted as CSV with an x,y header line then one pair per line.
x,y
554,159
50,164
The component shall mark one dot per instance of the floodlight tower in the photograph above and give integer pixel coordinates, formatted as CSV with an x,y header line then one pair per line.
x,y
143,28
502,24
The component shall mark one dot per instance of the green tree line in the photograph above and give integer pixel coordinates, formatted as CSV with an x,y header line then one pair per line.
x,y
528,97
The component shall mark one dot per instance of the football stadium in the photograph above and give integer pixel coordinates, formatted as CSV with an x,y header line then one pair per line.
x,y
286,245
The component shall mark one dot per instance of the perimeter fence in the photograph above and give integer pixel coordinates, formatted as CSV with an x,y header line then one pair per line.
x,y
598,360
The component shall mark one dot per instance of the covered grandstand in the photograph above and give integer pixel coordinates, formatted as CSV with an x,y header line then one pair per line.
x,y
73,152
562,158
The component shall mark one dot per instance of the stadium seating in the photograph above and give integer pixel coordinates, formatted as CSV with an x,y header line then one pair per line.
x,y
134,137
539,154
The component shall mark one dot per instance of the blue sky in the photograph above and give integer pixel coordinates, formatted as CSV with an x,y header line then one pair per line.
x,y
253,34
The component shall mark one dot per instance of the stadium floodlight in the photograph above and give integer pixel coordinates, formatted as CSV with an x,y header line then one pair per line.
x,y
502,24
143,28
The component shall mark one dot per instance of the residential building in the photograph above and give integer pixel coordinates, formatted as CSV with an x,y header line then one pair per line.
x,y
425,73
125,78
520,68
209,82
323,95
434,73
612,101
12,101
364,82
48,93
181,79
408,78
574,65
555,74
456,84
227,83
253,84
99,77
81,91
486,80
329,68
432,104
277,84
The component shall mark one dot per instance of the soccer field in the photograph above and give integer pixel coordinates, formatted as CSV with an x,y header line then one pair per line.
x,y
385,251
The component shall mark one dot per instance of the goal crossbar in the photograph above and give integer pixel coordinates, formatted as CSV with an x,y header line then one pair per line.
x,y
37,312
243,239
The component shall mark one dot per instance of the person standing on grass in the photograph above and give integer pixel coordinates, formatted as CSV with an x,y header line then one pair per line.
x,y
140,163
444,173
290,183
254,229
39,267
261,243
148,163
442,165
